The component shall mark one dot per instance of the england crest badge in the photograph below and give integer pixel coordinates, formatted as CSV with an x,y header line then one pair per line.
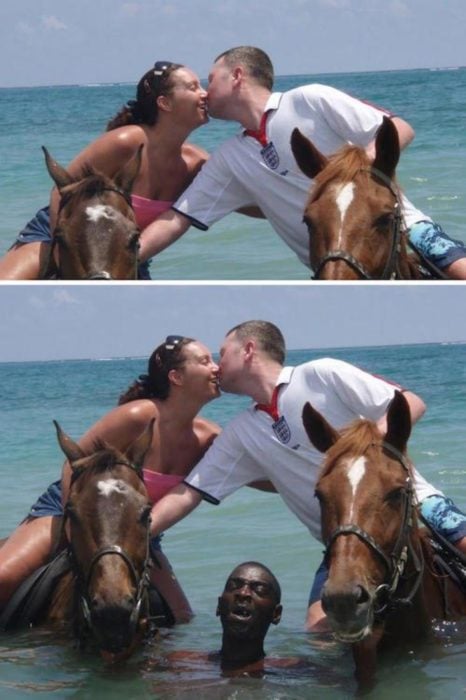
x,y
282,430
270,155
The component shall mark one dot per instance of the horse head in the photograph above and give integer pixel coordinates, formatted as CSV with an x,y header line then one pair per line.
x,y
353,212
365,494
96,236
108,518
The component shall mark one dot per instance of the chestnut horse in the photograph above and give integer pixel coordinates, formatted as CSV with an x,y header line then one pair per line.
x,y
383,587
96,235
353,213
107,519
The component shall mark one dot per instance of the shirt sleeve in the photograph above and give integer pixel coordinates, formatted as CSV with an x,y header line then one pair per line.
x,y
365,394
214,193
355,121
225,467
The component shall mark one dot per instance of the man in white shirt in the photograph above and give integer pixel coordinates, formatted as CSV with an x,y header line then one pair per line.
x,y
267,441
256,166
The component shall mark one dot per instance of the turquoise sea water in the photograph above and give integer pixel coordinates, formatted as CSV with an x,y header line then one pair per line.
x,y
206,545
65,119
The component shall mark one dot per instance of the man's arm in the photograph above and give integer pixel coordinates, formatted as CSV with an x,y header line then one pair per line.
x,y
164,231
417,408
178,503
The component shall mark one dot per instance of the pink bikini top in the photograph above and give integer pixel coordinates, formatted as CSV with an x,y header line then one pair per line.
x,y
147,210
158,485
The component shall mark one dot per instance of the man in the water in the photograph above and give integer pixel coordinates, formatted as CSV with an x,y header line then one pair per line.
x,y
248,605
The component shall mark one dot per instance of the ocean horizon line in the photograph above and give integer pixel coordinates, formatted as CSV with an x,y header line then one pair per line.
x,y
322,349
109,83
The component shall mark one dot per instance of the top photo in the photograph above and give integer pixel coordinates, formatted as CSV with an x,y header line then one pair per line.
x,y
331,148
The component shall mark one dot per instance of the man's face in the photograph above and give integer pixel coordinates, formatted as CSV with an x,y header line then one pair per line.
x,y
248,604
231,365
219,90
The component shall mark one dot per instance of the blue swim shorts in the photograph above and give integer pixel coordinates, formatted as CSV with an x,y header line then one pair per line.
x,y
432,241
49,503
37,230
441,514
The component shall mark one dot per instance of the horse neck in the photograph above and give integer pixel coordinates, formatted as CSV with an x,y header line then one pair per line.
x,y
62,602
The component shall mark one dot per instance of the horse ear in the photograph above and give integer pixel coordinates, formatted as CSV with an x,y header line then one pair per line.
x,y
71,449
58,174
126,176
387,148
320,433
398,422
309,159
138,449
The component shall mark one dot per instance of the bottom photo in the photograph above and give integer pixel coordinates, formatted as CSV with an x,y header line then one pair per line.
x,y
238,491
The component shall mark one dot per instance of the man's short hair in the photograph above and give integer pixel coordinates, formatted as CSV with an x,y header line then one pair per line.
x,y
257,63
269,338
276,589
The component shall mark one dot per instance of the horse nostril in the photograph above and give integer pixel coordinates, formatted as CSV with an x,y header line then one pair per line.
x,y
362,595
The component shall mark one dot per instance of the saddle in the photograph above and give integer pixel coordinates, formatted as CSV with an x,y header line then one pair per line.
x,y
27,605
448,560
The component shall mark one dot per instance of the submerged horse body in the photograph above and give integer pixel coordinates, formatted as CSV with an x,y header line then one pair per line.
x,y
383,587
353,213
96,235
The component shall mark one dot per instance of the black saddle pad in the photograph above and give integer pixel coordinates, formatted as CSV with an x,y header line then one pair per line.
x,y
29,600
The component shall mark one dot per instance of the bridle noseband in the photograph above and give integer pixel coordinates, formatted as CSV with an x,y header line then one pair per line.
x,y
141,582
390,270
394,563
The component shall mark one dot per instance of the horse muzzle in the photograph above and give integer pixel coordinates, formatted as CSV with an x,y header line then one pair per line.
x,y
350,611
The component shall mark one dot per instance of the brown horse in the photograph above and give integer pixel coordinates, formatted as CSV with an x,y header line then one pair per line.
x,y
96,236
354,212
107,524
383,587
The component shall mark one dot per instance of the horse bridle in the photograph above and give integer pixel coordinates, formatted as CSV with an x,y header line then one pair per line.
x,y
141,581
102,274
395,563
390,270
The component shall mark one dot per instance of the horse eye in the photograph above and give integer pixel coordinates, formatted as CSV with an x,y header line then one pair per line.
x,y
394,496
384,221
145,515
133,243
308,222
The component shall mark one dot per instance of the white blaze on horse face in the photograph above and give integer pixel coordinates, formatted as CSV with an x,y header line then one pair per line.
x,y
101,211
106,487
355,471
344,197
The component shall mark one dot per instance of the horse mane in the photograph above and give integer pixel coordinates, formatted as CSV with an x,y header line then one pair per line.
x,y
355,439
103,458
343,165
87,184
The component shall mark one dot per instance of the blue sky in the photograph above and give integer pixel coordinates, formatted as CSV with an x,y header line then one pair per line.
x,y
44,42
56,321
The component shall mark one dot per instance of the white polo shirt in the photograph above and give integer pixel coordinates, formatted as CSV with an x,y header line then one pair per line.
x,y
237,174
249,448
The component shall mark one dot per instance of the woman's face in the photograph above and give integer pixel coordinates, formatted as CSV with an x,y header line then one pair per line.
x,y
187,98
199,372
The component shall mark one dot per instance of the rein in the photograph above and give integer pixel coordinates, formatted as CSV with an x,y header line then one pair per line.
x,y
395,563
390,270
141,582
